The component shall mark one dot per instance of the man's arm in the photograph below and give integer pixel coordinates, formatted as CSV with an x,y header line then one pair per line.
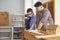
x,y
44,19
33,25
40,25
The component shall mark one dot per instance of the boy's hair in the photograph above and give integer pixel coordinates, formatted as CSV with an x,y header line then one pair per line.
x,y
37,4
29,10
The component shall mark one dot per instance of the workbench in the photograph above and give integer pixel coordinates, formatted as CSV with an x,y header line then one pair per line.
x,y
33,36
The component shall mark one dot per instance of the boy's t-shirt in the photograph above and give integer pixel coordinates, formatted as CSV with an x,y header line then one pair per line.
x,y
30,21
27,23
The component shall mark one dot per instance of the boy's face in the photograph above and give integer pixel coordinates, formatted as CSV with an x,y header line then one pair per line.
x,y
39,8
30,14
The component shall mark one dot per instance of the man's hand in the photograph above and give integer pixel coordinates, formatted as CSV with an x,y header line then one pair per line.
x,y
40,25
32,26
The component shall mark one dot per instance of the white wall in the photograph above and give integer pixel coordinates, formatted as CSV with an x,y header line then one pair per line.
x,y
57,12
28,4
12,6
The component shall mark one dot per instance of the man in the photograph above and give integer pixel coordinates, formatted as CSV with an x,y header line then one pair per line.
x,y
43,15
31,19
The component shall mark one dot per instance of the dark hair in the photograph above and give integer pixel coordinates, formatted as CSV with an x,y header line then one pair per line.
x,y
29,10
37,4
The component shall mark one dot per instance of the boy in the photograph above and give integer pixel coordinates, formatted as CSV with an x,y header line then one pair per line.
x,y
31,19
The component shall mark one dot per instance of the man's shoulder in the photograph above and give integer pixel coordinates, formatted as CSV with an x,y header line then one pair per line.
x,y
45,9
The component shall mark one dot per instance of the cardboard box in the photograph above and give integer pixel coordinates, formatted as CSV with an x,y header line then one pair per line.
x,y
4,18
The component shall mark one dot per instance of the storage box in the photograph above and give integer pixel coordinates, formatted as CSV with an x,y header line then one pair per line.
x,y
4,18
51,29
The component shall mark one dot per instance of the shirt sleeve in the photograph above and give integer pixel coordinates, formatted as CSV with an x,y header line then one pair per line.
x,y
45,16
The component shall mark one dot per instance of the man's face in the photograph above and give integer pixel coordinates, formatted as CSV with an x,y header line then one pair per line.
x,y
39,8
30,14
